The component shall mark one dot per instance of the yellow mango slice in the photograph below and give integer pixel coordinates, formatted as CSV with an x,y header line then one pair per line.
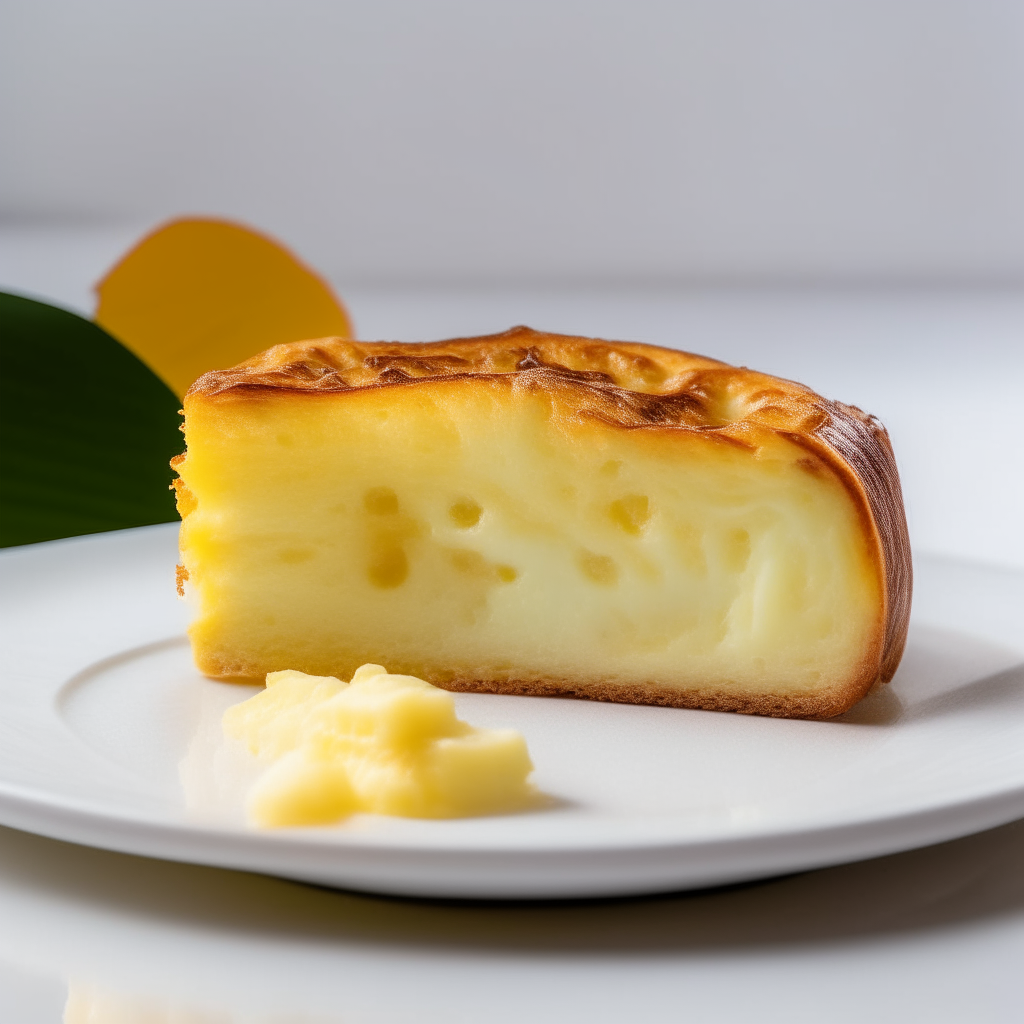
x,y
200,294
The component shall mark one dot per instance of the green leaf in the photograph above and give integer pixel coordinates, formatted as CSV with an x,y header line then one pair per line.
x,y
86,429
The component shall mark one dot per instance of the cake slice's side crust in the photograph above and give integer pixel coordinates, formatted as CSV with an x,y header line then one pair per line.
x,y
863,446
633,387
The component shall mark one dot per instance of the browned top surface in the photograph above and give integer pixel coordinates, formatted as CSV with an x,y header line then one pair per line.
x,y
625,383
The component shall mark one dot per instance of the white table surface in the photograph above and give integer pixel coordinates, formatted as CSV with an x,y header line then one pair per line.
x,y
929,935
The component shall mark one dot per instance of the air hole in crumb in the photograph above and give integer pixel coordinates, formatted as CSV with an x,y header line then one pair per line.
x,y
737,550
631,513
380,501
465,513
598,568
293,556
388,567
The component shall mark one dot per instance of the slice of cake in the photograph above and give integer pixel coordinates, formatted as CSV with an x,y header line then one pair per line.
x,y
538,514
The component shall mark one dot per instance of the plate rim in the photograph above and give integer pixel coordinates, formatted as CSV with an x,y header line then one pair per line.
x,y
291,853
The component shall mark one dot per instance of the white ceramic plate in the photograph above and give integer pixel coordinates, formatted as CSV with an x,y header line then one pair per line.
x,y
109,737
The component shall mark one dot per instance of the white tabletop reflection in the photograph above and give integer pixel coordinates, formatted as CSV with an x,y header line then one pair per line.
x,y
104,938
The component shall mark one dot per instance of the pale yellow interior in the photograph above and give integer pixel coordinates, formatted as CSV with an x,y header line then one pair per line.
x,y
484,532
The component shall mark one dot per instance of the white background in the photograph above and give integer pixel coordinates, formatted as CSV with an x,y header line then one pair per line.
x,y
554,141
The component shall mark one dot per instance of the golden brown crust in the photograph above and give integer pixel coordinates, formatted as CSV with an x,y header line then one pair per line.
x,y
821,704
334,364
863,444
635,386
625,384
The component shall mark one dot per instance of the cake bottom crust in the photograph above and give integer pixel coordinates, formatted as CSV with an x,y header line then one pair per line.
x,y
819,705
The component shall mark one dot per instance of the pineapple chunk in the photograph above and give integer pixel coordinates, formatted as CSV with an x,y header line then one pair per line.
x,y
384,744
